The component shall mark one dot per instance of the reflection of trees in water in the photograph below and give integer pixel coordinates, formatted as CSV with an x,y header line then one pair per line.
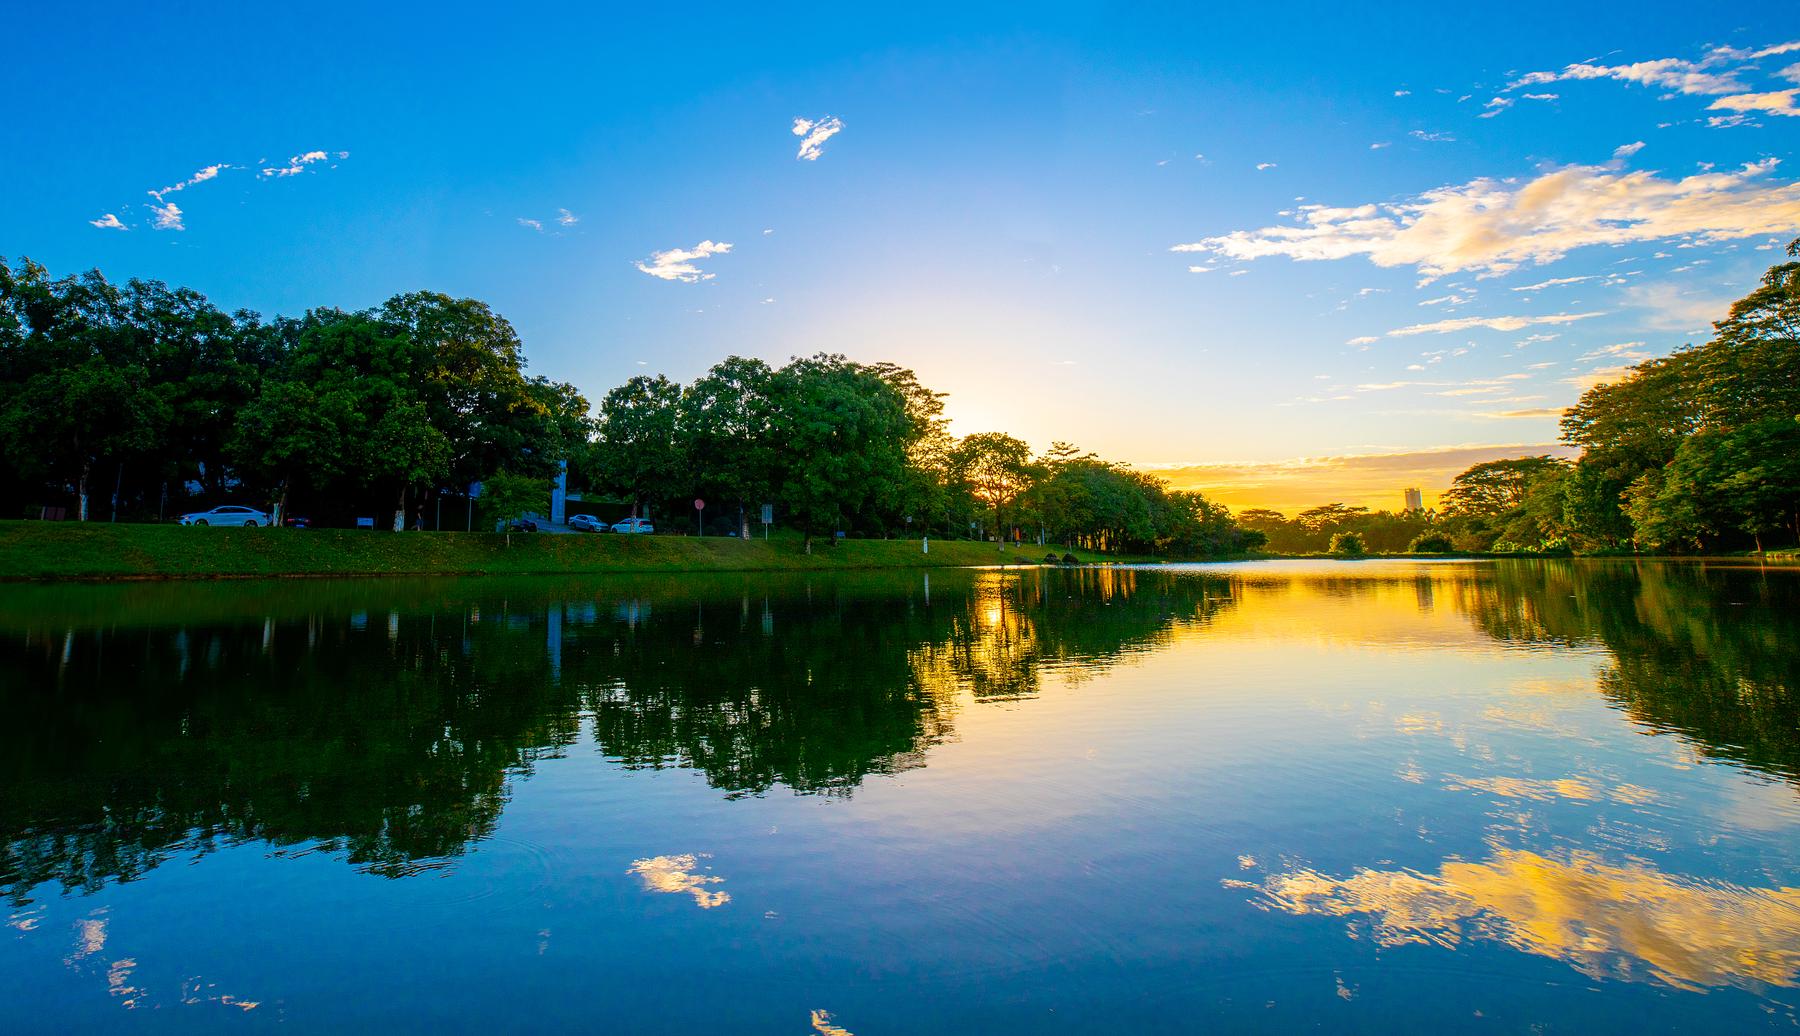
x,y
1712,652
388,733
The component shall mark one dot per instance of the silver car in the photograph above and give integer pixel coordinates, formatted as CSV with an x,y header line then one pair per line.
x,y
230,514
640,526
587,523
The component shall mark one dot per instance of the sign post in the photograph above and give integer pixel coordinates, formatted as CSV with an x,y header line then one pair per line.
x,y
699,516
768,518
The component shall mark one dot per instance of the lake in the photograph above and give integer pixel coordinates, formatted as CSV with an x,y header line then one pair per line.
x,y
1557,796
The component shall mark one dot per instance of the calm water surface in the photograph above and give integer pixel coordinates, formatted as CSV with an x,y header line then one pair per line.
x,y
1547,796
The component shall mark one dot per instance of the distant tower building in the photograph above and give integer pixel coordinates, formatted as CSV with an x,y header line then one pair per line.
x,y
1415,501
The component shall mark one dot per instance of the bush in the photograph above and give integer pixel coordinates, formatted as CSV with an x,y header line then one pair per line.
x,y
1348,544
1431,543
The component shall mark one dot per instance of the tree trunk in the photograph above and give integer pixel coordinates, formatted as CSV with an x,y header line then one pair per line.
x,y
81,491
280,504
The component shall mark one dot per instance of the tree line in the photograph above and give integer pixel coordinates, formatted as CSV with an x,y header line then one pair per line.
x,y
138,401
1698,451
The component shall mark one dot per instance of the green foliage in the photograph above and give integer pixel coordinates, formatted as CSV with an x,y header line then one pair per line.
x,y
337,414
1431,543
1698,450
1348,544
506,496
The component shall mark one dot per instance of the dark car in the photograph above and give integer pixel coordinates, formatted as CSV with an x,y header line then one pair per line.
x,y
297,521
522,525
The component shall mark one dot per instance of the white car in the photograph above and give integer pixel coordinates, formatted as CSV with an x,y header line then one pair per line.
x,y
638,525
230,514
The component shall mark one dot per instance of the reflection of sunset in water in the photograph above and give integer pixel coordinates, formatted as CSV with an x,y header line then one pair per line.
x,y
1621,922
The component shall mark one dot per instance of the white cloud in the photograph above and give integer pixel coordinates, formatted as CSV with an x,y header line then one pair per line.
x,y
1401,93
1621,351
1363,340
1627,150
1776,102
1688,77
1260,166
1541,97
200,176
1553,282
677,264
534,224
298,163
1494,226
1721,72
815,134
1439,327
1437,137
567,218
1495,107
108,222
168,216
1378,145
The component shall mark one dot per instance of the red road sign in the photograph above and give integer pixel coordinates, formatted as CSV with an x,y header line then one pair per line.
x,y
699,504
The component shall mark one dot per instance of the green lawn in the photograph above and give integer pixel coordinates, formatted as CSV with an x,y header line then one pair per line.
x,y
70,550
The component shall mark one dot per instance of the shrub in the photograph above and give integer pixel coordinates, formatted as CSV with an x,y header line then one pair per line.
x,y
1348,544
1431,543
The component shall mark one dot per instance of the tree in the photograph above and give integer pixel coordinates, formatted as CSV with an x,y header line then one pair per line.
x,y
641,454
997,468
506,497
843,431
726,418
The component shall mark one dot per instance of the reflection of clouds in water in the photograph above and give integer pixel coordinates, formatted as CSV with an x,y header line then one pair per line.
x,y
678,874
823,1025
91,938
1573,788
1632,922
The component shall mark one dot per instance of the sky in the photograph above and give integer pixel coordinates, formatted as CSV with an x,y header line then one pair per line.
x,y
1286,258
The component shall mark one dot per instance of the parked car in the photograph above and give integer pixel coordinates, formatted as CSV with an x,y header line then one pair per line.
x,y
637,525
522,525
587,523
296,521
230,514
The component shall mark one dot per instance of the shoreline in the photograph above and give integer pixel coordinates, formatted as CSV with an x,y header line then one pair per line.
x,y
37,552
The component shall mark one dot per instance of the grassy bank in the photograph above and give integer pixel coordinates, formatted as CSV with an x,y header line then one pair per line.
x,y
69,550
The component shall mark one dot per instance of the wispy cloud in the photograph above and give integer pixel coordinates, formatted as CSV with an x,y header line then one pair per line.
x,y
200,176
1775,102
1260,166
1720,72
1494,226
1627,150
533,224
1553,282
166,215
1432,136
1439,327
1495,107
1516,415
567,218
677,264
814,134
298,163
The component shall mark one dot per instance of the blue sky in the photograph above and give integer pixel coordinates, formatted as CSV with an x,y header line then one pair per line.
x,y
1003,208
